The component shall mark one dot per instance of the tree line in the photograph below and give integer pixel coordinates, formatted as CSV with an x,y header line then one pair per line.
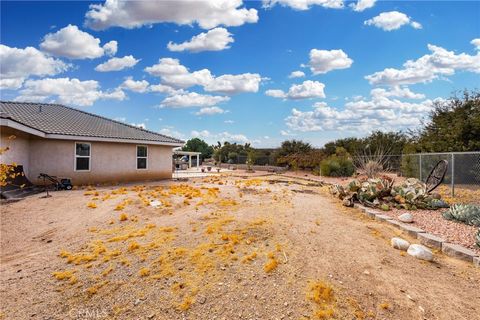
x,y
453,125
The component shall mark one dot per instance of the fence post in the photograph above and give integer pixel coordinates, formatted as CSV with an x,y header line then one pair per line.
x,y
453,175
420,166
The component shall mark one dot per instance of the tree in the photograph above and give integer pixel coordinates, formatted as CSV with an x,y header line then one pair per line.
x,y
290,147
454,125
230,151
198,145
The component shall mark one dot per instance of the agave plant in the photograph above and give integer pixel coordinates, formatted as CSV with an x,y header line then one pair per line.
x,y
467,213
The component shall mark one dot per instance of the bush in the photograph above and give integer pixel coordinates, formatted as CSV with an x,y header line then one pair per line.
x,y
335,166
305,161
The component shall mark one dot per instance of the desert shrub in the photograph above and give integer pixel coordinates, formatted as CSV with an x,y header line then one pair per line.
x,y
335,166
338,165
306,161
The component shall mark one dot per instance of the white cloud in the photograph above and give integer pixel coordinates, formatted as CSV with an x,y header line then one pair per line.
x,y
212,138
286,133
169,131
110,48
176,75
439,62
397,91
19,64
392,20
161,88
231,84
276,93
133,85
214,40
381,112
71,42
120,119
117,64
200,134
172,73
476,43
297,74
208,111
362,5
192,99
133,14
229,121
323,61
307,90
304,4
139,125
67,91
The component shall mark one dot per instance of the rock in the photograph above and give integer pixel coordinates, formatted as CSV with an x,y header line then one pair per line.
x,y
400,244
406,217
420,252
155,203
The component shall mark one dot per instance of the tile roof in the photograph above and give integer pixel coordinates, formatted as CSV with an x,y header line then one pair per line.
x,y
59,119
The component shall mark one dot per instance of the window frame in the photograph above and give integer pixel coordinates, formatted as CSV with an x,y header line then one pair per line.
x,y
137,157
77,156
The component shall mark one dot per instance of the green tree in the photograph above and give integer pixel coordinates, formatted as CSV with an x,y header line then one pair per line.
x,y
198,145
290,147
454,125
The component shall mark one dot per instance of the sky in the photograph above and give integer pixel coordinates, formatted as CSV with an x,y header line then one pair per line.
x,y
254,71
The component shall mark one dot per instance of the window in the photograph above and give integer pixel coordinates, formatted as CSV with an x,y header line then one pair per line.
x,y
142,157
82,156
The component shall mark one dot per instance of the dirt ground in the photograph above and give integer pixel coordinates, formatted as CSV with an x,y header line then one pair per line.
x,y
224,247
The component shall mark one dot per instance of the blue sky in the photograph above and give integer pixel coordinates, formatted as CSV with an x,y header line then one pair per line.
x,y
371,65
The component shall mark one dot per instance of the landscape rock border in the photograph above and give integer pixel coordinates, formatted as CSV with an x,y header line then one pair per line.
x,y
427,239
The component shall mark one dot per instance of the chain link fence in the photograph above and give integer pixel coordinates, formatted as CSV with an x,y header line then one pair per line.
x,y
463,169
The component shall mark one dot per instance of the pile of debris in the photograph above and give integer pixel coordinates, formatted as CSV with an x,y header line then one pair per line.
x,y
381,193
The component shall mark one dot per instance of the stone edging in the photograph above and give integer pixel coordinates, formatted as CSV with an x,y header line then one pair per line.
x,y
427,239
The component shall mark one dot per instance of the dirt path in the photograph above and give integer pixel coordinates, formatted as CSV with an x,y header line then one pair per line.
x,y
249,250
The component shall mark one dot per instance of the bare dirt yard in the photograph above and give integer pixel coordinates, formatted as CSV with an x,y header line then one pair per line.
x,y
223,247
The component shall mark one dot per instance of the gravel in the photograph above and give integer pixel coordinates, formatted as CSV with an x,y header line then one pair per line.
x,y
432,222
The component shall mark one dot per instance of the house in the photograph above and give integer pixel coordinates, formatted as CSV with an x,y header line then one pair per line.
x,y
66,142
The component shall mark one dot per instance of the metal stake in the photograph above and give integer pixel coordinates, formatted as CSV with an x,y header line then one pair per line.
x,y
453,175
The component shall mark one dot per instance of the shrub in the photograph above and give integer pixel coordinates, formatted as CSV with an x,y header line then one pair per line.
x,y
307,161
335,166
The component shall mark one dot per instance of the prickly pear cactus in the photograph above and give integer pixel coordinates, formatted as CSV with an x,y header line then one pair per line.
x,y
338,191
374,189
411,191
467,213
354,186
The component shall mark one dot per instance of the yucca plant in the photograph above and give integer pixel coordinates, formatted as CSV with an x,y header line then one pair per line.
x,y
372,164
466,213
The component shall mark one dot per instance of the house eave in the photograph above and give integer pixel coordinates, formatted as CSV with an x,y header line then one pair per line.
x,y
16,125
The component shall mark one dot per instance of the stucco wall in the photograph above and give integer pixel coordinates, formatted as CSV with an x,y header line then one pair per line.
x,y
19,147
110,162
